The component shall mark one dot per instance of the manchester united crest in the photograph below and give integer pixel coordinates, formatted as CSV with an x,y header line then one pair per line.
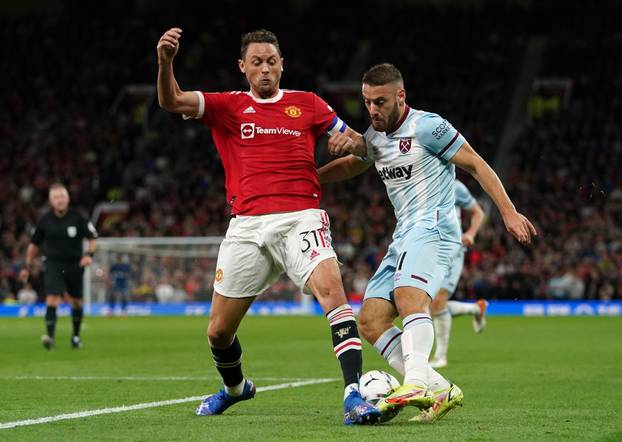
x,y
293,111
405,145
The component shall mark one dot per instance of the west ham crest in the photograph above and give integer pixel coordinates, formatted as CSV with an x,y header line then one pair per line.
x,y
405,145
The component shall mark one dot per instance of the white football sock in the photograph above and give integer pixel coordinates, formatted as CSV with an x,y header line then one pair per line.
x,y
463,308
417,342
389,345
236,390
349,389
437,382
442,329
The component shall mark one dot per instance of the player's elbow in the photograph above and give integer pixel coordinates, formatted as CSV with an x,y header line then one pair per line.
x,y
169,101
166,103
181,103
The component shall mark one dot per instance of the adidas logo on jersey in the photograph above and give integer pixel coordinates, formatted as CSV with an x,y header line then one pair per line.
x,y
391,173
249,110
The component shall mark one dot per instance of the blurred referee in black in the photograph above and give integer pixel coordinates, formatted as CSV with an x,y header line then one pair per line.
x,y
61,231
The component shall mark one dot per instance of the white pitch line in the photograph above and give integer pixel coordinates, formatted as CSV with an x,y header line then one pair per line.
x,y
132,378
124,408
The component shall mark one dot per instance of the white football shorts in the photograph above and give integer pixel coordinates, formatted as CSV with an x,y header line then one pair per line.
x,y
258,249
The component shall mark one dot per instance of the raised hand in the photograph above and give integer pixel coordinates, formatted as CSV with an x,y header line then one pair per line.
x,y
168,45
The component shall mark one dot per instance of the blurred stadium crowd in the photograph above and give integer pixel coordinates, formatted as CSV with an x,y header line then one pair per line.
x,y
67,114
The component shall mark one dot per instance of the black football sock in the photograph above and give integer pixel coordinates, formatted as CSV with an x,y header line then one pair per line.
x,y
346,343
50,320
76,317
228,362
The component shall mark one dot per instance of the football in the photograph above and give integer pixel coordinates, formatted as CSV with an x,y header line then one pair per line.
x,y
376,384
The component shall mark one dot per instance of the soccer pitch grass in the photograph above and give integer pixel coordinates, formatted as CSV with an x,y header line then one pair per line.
x,y
523,379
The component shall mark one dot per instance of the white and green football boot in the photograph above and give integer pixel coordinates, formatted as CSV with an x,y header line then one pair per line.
x,y
406,395
445,401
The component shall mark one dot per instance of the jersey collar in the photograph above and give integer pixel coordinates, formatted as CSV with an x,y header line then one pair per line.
x,y
274,99
400,121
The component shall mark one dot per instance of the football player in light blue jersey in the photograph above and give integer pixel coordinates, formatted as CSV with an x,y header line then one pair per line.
x,y
414,153
442,310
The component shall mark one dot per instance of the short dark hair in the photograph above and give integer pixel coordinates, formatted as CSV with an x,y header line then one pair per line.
x,y
259,36
382,74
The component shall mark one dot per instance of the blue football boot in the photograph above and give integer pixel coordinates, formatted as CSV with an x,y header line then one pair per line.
x,y
219,402
359,412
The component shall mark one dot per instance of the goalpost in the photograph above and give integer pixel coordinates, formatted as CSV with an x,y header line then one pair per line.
x,y
165,270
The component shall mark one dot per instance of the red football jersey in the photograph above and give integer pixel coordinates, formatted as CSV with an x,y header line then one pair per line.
x,y
267,148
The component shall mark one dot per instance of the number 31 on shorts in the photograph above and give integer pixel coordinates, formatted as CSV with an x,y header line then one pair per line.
x,y
318,238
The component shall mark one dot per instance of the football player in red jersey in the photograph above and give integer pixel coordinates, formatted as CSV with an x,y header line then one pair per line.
x,y
266,139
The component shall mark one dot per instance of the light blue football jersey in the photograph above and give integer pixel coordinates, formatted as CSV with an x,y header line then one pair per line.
x,y
464,199
413,162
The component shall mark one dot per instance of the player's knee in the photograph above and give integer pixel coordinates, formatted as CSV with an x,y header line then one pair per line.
x,y
435,306
330,294
371,328
52,300
439,302
366,329
409,300
76,302
325,283
218,336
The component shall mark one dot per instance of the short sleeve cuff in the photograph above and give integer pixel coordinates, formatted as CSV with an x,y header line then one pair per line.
x,y
199,115
448,152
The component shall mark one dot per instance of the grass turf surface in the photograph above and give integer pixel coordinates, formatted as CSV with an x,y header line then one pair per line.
x,y
523,379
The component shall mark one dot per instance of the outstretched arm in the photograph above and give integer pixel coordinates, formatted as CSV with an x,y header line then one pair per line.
x,y
517,224
342,169
170,95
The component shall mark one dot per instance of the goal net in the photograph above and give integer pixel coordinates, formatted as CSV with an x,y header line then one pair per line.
x,y
162,270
